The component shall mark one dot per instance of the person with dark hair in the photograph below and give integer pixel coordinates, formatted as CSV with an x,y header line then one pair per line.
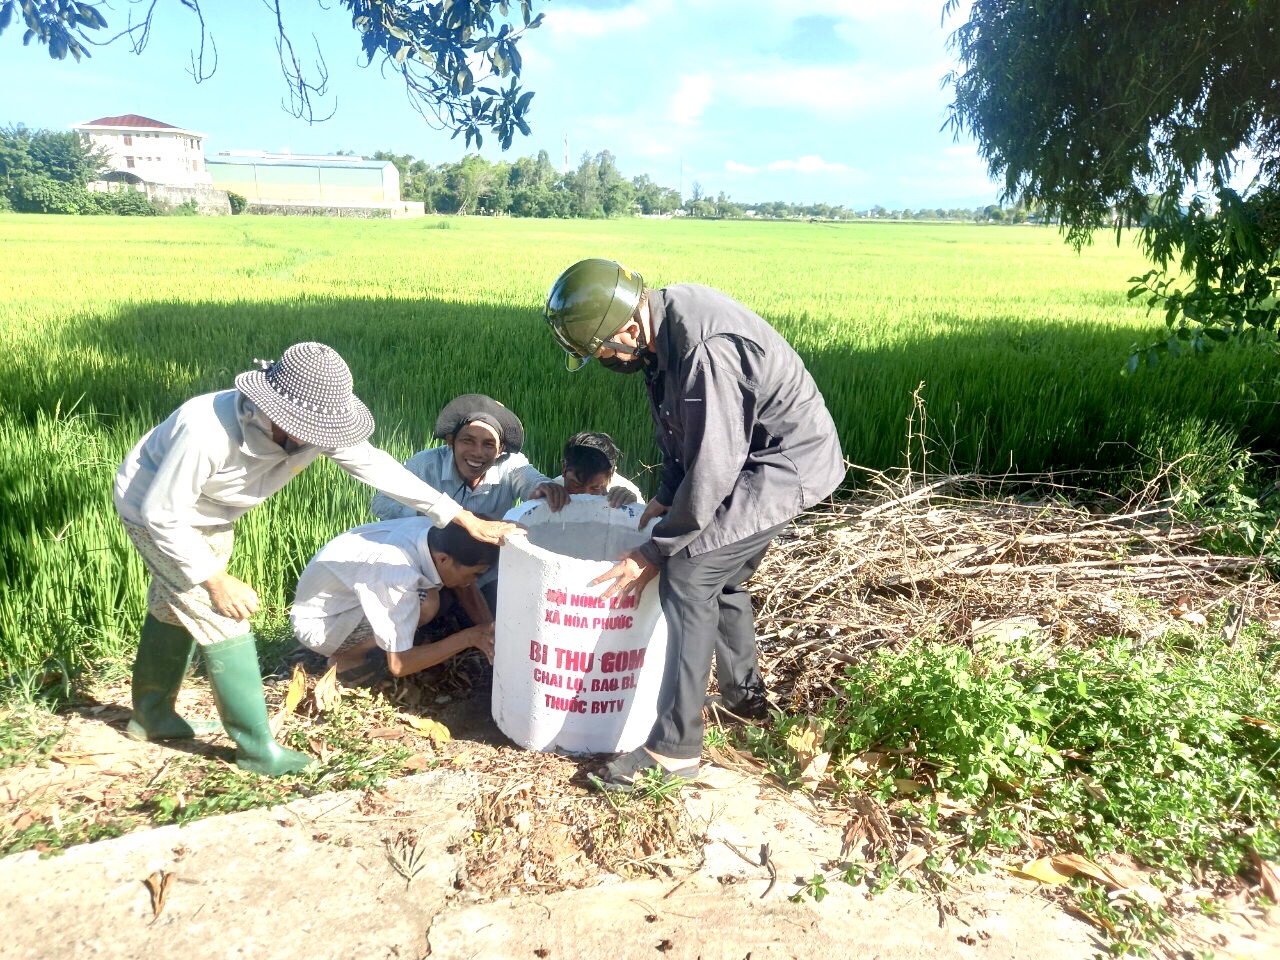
x,y
185,483
375,585
747,444
590,467
480,466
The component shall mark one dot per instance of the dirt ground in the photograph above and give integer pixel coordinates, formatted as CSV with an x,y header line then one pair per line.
x,y
530,842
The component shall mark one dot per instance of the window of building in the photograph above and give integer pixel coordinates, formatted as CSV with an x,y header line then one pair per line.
x,y
128,140
128,162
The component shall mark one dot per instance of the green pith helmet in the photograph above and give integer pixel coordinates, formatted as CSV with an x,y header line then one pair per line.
x,y
588,303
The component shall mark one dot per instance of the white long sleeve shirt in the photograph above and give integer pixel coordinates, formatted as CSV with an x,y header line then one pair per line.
x,y
371,572
213,459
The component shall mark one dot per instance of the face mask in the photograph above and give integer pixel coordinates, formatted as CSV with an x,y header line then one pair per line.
x,y
618,365
637,362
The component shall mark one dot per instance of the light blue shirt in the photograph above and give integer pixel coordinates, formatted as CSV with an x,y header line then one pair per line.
x,y
509,479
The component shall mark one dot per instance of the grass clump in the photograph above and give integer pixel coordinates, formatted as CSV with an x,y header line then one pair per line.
x,y
1167,750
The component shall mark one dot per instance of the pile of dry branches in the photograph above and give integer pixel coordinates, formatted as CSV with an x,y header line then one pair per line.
x,y
962,557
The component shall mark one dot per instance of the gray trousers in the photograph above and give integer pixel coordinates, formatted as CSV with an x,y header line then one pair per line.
x,y
708,609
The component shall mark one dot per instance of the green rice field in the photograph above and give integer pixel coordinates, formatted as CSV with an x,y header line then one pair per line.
x,y
1015,342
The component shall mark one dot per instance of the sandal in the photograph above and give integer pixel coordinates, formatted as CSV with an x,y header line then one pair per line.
x,y
622,772
369,673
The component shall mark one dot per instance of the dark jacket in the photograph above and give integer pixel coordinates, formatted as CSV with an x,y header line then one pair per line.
x,y
746,439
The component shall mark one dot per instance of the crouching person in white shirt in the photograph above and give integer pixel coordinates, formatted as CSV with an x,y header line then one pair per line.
x,y
180,490
374,585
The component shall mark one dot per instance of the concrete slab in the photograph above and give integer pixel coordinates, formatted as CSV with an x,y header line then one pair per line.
x,y
315,879
307,880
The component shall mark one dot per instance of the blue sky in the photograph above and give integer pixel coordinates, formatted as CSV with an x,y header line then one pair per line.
x,y
837,101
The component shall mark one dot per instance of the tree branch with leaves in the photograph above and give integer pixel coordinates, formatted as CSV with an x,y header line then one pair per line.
x,y
459,60
1112,113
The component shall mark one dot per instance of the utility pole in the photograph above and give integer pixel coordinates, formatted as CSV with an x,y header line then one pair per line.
x,y
566,154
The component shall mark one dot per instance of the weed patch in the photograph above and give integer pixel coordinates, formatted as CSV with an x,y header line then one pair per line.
x,y
1165,753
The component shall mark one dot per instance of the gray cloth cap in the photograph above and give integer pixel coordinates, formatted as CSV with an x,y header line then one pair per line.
x,y
460,411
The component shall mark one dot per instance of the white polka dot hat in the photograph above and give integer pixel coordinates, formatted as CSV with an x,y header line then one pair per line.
x,y
307,393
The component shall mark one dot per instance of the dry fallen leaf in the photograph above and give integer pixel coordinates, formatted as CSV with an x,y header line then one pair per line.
x,y
327,694
1042,870
815,771
420,761
804,741
292,697
1255,722
913,856
1269,876
948,806
855,832
158,883
865,764
1119,880
1182,610
434,729
76,759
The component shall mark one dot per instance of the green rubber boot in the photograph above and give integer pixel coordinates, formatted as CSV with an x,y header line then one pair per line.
x,y
164,654
237,690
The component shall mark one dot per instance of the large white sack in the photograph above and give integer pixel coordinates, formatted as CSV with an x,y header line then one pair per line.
x,y
572,672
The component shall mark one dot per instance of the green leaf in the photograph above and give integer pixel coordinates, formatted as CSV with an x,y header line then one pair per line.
x,y
6,15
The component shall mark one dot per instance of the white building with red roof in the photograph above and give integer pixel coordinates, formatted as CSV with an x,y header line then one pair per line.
x,y
142,150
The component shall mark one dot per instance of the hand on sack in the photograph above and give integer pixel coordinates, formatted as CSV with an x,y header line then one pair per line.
x,y
631,574
555,495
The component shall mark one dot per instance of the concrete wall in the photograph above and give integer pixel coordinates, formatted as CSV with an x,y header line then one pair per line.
x,y
399,210
208,200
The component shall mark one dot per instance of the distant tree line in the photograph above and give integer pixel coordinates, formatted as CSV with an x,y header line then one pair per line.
x,y
533,187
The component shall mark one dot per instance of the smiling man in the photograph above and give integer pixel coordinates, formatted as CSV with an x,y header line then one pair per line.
x,y
480,466
747,444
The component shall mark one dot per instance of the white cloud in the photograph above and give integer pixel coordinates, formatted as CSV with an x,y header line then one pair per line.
x,y
808,164
734,167
843,90
691,99
585,22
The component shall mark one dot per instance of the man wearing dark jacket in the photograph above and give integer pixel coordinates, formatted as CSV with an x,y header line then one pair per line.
x,y
747,444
